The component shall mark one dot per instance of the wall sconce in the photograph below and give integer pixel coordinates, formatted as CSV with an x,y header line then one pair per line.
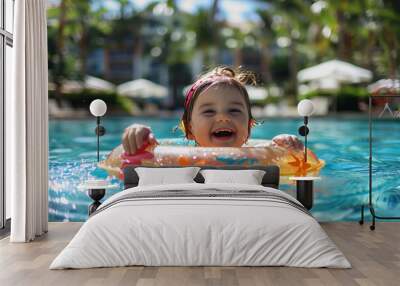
x,y
98,108
304,189
305,108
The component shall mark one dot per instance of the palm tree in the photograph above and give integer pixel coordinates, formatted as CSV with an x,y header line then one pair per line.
x,y
126,37
206,27
292,21
362,31
56,58
82,13
69,23
177,52
266,36
385,15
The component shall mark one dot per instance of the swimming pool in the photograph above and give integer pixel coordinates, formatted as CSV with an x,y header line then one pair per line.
x,y
342,143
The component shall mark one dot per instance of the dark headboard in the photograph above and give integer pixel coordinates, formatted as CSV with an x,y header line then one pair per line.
x,y
270,179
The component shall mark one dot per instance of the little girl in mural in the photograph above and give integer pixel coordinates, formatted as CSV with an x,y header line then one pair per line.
x,y
217,114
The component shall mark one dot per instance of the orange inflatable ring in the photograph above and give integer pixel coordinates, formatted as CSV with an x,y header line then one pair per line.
x,y
255,153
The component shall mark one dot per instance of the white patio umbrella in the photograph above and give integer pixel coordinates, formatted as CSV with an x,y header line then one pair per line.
x,y
90,82
385,86
95,83
70,86
142,88
256,93
341,72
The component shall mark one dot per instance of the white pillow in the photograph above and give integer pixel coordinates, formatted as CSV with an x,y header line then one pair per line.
x,y
249,177
164,176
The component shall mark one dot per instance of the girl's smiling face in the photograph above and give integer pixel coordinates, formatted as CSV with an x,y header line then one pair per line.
x,y
219,118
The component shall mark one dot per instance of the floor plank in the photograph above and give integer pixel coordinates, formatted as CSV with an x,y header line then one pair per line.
x,y
374,255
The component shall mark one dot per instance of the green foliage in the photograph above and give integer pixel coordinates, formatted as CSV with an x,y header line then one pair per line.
x,y
268,100
74,31
354,91
291,35
312,94
126,104
347,91
345,99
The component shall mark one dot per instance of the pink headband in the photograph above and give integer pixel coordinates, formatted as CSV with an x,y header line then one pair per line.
x,y
201,82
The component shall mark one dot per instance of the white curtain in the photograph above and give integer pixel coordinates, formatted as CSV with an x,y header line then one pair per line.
x,y
27,124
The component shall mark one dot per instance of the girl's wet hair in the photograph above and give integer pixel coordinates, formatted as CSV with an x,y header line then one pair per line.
x,y
219,76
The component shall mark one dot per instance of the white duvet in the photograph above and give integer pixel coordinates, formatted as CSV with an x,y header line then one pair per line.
x,y
183,231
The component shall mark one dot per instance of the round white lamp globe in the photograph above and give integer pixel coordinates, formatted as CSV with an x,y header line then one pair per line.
x,y
98,107
305,107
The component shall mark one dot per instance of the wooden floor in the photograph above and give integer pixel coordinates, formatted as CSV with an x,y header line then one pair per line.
x,y
374,255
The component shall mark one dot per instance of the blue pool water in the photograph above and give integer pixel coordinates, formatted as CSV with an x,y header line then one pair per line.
x,y
342,143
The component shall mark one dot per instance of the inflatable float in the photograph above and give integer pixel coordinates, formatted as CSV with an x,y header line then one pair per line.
x,y
255,153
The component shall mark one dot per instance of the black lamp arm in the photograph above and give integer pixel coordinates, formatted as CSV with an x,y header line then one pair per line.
x,y
303,131
305,147
98,138
100,131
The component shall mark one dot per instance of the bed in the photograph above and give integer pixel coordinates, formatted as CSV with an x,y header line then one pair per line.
x,y
201,224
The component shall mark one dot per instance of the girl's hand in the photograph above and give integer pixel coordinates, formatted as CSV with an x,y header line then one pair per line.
x,y
289,142
135,137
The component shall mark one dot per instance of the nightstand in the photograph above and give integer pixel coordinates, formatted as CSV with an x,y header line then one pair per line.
x,y
96,190
304,190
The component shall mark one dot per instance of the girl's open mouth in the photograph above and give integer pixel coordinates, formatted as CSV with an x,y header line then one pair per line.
x,y
223,134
